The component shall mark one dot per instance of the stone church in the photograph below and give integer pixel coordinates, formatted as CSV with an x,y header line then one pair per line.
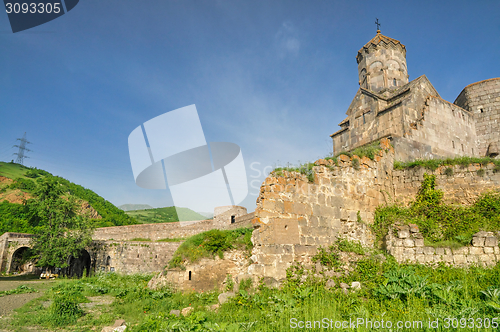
x,y
420,124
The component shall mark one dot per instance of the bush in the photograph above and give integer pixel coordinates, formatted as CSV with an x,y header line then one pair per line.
x,y
448,171
480,172
211,243
65,309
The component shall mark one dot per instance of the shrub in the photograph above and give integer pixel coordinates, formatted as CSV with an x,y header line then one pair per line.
x,y
355,163
65,309
480,172
211,243
448,171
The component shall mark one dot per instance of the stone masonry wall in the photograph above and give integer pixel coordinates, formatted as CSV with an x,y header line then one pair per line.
x,y
463,187
153,231
483,100
133,257
449,130
294,217
408,246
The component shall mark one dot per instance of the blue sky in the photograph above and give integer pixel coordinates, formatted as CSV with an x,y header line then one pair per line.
x,y
274,77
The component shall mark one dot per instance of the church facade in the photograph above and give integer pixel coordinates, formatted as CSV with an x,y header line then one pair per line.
x,y
420,124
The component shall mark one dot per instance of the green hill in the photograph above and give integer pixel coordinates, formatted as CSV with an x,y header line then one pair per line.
x,y
166,214
17,184
133,207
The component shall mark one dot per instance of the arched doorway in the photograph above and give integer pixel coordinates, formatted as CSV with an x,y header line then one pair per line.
x,y
21,261
77,265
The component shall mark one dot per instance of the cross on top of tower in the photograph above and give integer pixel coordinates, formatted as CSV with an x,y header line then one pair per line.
x,y
378,26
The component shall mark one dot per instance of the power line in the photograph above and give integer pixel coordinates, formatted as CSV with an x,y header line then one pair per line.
x,y
22,149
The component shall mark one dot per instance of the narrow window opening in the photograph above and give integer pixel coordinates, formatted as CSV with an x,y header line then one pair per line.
x,y
472,151
364,120
189,275
286,226
394,82
156,256
481,110
233,219
453,143
137,255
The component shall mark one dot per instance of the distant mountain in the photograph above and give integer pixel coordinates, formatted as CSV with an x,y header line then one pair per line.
x,y
166,214
132,207
208,215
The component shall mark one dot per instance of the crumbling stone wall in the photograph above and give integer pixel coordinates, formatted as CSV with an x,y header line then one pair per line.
x,y
406,244
294,217
462,187
209,274
483,100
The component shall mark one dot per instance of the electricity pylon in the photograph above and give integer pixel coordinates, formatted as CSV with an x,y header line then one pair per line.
x,y
22,149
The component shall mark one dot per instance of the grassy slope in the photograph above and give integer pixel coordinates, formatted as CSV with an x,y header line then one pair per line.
x,y
166,214
12,171
111,215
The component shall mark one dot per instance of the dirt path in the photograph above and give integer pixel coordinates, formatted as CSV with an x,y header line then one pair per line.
x,y
10,302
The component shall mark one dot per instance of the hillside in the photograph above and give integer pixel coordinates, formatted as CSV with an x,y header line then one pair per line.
x,y
17,184
166,214
133,207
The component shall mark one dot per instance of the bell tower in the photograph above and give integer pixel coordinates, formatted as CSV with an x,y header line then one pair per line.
x,y
382,64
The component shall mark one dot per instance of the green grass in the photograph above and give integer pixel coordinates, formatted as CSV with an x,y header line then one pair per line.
x,y
162,215
433,164
140,239
389,291
211,243
305,169
12,170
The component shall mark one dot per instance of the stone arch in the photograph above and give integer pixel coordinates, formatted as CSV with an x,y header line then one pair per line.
x,y
492,150
376,65
18,261
77,265
393,64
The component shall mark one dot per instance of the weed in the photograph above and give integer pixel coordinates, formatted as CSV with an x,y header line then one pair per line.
x,y
448,171
480,172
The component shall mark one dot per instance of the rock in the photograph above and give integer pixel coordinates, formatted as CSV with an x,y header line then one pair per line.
x,y
329,273
344,285
319,267
224,297
114,329
355,285
271,282
330,284
345,291
413,228
380,258
186,311
157,282
119,322
214,307
175,312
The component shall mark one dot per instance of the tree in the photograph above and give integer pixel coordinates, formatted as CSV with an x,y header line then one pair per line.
x,y
60,232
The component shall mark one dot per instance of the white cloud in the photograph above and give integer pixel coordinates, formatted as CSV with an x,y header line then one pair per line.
x,y
287,40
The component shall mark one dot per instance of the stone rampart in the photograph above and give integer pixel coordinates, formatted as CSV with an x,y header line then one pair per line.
x,y
406,244
132,257
153,232
294,217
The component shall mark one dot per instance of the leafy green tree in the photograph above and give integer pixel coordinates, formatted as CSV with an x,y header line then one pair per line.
x,y
59,230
